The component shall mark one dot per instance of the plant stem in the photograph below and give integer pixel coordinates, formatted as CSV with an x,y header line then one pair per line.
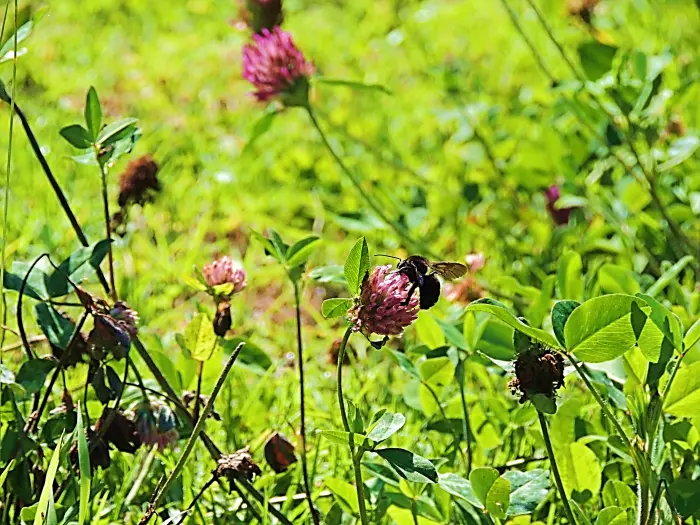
x,y
185,512
271,508
253,510
555,469
300,352
398,228
466,428
108,228
211,447
538,58
356,458
189,446
603,405
667,388
550,34
443,414
195,410
394,159
54,183
8,166
59,368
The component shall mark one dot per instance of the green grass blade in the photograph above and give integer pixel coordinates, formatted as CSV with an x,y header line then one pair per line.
x,y
85,473
42,509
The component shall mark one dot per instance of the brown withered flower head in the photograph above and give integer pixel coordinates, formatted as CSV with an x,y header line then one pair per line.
x,y
261,14
334,352
99,452
114,327
187,398
582,9
279,453
237,466
139,182
675,127
121,431
222,319
538,370
138,185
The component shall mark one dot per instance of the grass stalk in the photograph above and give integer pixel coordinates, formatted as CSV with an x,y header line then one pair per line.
x,y
302,403
189,446
555,468
356,458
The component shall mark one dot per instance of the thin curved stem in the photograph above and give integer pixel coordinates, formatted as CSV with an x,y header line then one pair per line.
x,y
8,166
108,228
555,469
603,405
258,496
189,446
252,508
36,149
201,492
443,414
302,403
198,393
341,399
466,425
550,34
20,314
59,368
395,160
674,372
533,49
398,228
209,444
356,458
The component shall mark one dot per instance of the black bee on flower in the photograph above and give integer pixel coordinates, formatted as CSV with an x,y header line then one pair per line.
x,y
423,275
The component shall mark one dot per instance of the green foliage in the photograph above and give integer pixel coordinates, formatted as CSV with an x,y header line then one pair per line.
x,y
200,338
356,266
430,141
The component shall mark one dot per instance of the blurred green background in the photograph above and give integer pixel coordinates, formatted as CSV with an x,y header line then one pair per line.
x,y
460,152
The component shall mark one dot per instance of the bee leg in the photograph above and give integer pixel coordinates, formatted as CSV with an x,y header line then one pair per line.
x,y
379,344
410,294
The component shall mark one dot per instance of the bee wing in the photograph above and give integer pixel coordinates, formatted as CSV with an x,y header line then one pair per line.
x,y
449,270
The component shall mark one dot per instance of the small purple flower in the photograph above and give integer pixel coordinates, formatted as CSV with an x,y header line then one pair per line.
x,y
559,215
225,271
155,424
276,68
380,308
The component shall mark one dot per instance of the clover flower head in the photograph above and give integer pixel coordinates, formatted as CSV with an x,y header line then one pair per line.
x,y
539,370
277,68
225,271
381,307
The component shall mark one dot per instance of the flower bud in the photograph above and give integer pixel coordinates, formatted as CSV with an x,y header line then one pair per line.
x,y
222,319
